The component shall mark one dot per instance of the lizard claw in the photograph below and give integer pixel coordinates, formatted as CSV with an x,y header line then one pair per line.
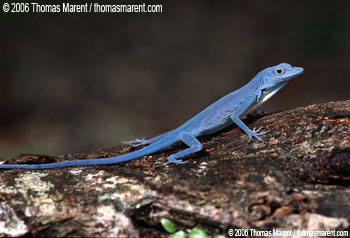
x,y
175,161
258,129
255,133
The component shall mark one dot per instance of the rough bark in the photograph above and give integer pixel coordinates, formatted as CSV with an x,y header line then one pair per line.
x,y
298,179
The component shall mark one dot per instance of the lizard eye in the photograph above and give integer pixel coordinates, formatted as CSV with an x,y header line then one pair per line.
x,y
279,71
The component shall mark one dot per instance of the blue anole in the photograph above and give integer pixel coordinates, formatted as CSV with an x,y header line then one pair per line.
x,y
218,115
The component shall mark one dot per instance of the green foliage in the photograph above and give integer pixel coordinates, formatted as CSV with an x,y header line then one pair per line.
x,y
196,232
179,234
168,225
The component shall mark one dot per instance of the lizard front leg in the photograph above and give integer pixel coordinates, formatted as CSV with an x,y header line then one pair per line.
x,y
249,132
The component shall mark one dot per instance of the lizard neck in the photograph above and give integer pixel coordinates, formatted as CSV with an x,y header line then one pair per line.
x,y
268,93
262,95
255,85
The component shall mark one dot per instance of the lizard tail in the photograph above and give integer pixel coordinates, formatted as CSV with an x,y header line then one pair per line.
x,y
154,147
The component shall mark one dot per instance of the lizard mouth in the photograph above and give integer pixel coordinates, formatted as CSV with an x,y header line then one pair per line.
x,y
299,70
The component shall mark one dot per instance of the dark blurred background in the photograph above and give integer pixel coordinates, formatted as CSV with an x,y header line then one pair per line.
x,y
77,82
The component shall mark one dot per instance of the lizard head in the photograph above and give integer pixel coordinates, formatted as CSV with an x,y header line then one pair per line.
x,y
278,75
272,79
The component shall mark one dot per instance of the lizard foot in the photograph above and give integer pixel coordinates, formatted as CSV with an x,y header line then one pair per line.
x,y
255,133
136,142
175,161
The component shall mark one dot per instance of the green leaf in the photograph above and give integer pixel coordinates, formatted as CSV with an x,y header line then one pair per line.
x,y
219,236
198,233
168,225
179,234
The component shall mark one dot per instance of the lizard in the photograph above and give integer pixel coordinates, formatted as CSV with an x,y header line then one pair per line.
x,y
227,110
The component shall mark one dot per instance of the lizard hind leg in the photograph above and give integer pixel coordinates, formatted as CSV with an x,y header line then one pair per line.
x,y
143,141
137,142
194,146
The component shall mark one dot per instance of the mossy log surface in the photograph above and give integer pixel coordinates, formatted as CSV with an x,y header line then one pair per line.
x,y
298,179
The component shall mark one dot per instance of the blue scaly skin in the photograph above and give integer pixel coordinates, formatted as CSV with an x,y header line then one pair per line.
x,y
218,115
